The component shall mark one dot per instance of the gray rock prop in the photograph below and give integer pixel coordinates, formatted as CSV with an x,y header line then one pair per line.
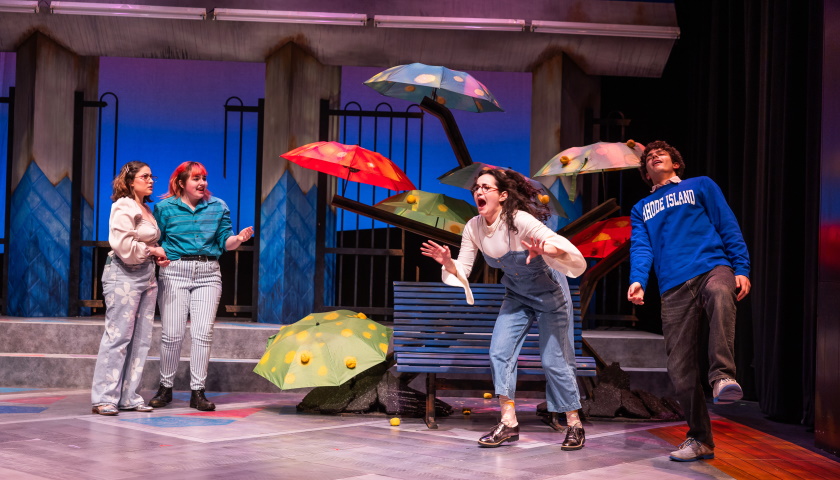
x,y
613,398
373,391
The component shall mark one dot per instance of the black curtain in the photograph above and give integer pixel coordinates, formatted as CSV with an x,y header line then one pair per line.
x,y
740,99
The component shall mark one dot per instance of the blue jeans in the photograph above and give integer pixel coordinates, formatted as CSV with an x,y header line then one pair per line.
x,y
709,297
535,292
130,293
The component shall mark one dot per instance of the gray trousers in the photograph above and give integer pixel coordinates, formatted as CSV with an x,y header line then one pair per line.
x,y
709,297
130,292
188,289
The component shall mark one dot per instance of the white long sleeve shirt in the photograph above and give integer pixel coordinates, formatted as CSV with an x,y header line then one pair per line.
x,y
129,233
496,240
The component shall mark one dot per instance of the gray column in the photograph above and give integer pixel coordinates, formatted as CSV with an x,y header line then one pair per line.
x,y
560,95
295,84
47,76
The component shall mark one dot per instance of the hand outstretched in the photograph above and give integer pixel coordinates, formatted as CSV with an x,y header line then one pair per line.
x,y
535,248
246,234
440,253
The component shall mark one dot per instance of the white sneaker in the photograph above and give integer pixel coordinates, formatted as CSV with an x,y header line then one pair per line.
x,y
727,391
691,450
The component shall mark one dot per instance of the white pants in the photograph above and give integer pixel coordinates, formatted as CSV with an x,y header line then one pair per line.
x,y
188,289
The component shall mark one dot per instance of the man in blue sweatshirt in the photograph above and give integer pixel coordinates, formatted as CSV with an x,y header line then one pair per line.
x,y
687,231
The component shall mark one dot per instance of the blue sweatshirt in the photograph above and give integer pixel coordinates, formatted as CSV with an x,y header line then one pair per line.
x,y
685,229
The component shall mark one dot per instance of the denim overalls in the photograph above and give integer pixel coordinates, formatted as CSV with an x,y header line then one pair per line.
x,y
534,291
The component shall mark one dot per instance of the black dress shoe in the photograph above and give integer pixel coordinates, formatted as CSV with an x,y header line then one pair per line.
x,y
199,401
162,397
575,438
501,433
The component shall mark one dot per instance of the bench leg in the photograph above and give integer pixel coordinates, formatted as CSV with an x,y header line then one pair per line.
x,y
431,396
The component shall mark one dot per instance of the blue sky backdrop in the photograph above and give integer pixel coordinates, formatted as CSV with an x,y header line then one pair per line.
x,y
171,111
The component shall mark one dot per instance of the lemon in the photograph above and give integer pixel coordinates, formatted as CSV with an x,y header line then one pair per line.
x,y
488,395
305,357
395,422
350,362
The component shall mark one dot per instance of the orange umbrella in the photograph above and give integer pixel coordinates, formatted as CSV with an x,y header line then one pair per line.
x,y
603,237
351,162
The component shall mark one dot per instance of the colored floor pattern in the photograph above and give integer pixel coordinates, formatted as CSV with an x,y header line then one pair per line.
x,y
51,434
746,453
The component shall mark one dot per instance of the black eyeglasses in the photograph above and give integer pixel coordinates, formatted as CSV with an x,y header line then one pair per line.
x,y
147,176
483,188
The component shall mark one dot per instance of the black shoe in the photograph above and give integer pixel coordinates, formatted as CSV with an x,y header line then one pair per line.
x,y
575,438
162,397
552,419
501,433
199,401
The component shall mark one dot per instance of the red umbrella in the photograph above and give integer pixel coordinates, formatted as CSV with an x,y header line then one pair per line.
x,y
603,237
351,162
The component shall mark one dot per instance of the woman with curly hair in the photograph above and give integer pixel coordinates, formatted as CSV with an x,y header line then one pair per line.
x,y
130,290
510,234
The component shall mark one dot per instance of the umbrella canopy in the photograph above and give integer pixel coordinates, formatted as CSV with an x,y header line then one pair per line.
x,y
323,349
351,162
465,177
433,209
602,238
597,157
450,88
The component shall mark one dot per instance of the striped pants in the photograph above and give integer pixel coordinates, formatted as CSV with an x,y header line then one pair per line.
x,y
188,289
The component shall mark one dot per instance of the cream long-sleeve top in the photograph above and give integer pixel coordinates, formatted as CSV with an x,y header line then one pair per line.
x,y
129,234
496,240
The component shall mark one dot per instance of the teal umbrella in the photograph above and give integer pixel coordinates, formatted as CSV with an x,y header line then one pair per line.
x,y
450,88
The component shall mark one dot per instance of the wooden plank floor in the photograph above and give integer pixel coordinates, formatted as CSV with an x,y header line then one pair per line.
x,y
747,453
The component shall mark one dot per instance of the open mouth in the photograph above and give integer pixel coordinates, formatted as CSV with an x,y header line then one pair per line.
x,y
480,202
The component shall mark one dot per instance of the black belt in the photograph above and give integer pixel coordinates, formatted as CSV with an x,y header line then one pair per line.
x,y
197,258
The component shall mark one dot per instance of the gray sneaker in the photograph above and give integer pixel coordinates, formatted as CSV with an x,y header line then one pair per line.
x,y
727,391
691,450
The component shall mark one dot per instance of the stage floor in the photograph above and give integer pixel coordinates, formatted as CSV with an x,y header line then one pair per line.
x,y
51,434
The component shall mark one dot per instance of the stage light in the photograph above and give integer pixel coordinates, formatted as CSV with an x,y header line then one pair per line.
x,y
277,16
18,6
605,29
450,23
124,10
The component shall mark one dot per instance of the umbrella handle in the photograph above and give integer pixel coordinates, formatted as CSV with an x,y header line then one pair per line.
x,y
350,170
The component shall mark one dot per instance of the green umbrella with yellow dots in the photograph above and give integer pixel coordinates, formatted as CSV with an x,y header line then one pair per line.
x,y
323,349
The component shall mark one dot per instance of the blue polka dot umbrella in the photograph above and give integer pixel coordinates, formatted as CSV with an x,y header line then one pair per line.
x,y
450,88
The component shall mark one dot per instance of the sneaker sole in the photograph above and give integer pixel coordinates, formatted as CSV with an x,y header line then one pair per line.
x,y
710,456
729,394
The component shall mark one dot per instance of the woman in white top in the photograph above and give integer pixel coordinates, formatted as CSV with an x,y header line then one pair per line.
x,y
130,290
509,233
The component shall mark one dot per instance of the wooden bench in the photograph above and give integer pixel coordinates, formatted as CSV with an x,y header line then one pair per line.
x,y
436,331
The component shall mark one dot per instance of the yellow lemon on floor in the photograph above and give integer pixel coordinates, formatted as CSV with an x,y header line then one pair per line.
x,y
395,422
488,395
350,362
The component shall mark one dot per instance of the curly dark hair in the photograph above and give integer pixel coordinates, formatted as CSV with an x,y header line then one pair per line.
x,y
661,145
521,196
124,179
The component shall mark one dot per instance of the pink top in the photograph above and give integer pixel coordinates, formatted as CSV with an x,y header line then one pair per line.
x,y
129,234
